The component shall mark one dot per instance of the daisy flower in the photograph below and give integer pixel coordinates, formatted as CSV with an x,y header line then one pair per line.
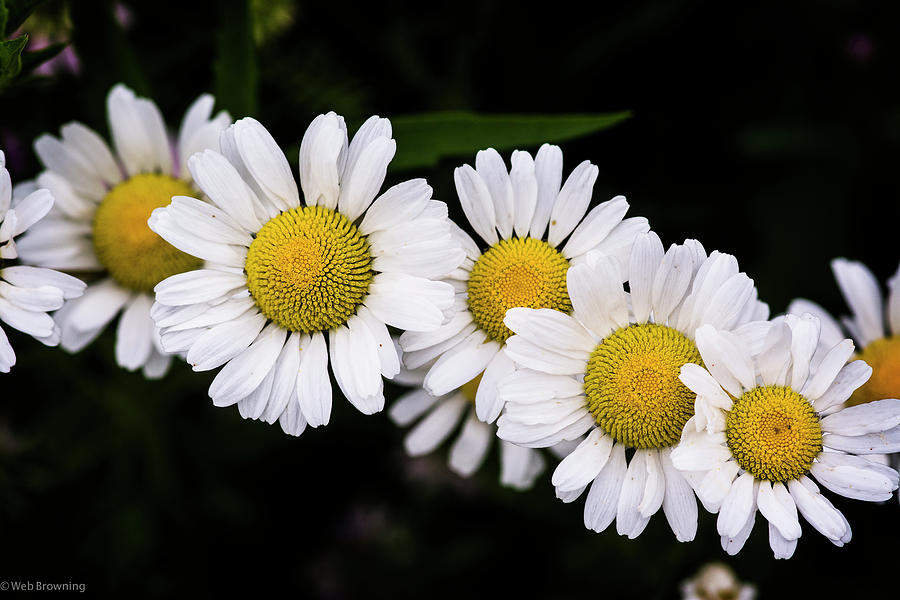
x,y
716,581
768,419
282,270
877,337
98,223
524,216
439,416
27,293
611,370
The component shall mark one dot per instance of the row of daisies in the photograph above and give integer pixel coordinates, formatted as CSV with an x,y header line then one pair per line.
x,y
654,374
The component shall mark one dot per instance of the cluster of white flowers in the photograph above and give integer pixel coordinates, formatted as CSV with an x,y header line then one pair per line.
x,y
654,374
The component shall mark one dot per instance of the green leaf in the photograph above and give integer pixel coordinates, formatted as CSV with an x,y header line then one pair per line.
x,y
236,71
423,139
18,11
11,59
32,60
4,18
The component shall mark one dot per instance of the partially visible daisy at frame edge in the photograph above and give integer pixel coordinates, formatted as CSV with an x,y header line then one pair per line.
x,y
534,227
98,224
285,271
437,417
610,369
769,419
874,325
27,294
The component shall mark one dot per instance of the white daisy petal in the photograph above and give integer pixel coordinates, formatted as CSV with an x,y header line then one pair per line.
x,y
320,149
726,358
436,427
548,164
655,487
860,289
245,372
134,342
476,202
390,361
534,386
200,285
31,209
737,506
551,329
100,303
584,464
223,185
357,366
629,520
224,341
470,449
519,467
37,324
828,370
679,503
88,144
831,330
854,477
406,302
882,442
646,256
525,191
715,484
849,378
488,402
781,546
572,202
461,364
893,303
40,299
313,383
362,183
776,505
266,163
816,509
35,277
871,417
673,277
595,226
492,170
598,299
399,204
603,498
7,355
411,406
805,340
526,354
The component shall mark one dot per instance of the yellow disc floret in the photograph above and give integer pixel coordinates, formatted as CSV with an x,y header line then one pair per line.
x,y
309,269
134,255
883,355
632,385
774,433
516,272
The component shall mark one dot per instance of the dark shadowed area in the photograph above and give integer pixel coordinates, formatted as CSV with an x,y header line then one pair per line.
x,y
772,133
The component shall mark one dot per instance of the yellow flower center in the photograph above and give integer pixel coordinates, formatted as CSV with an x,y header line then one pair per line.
x,y
516,272
774,433
883,356
134,255
470,389
309,269
632,385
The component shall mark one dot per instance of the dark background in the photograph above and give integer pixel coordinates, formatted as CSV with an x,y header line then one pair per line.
x,y
769,131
